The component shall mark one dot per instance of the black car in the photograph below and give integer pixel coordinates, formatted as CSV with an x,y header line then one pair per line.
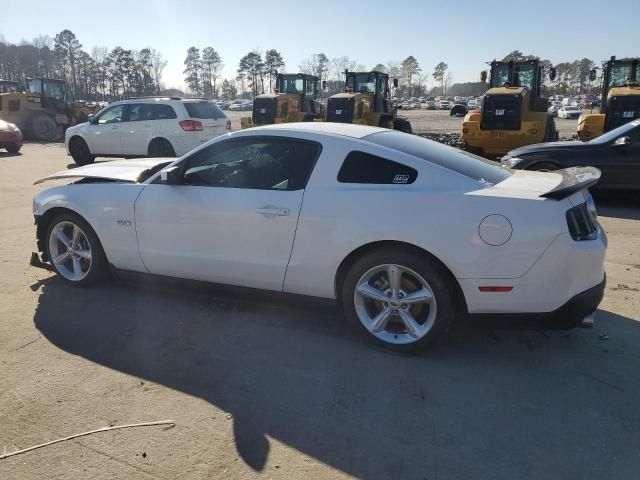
x,y
459,110
616,153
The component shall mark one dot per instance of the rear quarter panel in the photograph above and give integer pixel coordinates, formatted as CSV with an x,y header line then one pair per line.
x,y
439,213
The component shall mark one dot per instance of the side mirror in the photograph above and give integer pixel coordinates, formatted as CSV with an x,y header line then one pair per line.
x,y
483,76
171,176
92,119
592,74
622,142
395,82
324,84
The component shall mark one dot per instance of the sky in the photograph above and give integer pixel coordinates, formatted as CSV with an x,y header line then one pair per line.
x,y
464,34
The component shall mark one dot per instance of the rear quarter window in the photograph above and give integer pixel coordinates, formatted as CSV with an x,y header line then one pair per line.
x,y
464,163
361,167
163,112
203,110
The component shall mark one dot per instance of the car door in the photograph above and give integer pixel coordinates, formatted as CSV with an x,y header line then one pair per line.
x,y
136,131
623,161
104,137
232,217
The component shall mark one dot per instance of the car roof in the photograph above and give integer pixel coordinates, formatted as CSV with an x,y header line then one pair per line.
x,y
343,129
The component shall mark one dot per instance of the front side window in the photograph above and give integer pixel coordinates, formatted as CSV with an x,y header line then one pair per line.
x,y
260,163
112,115
361,167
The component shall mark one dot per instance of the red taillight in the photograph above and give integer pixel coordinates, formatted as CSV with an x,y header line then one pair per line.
x,y
191,125
495,289
228,128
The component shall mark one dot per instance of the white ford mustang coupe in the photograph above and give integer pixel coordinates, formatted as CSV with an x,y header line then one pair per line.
x,y
405,233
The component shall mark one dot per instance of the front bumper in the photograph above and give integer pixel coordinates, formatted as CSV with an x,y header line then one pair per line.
x,y
570,315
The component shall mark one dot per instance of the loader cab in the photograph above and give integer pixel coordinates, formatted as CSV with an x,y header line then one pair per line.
x,y
305,85
372,83
52,93
516,74
620,92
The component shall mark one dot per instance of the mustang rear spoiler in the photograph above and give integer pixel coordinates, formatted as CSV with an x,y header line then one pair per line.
x,y
574,179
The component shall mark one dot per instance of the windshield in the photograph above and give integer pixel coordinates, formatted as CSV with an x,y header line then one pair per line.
x,y
616,133
369,83
620,73
464,163
522,75
51,89
291,85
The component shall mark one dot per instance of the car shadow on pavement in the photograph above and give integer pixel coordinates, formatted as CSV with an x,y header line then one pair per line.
x,y
485,404
9,155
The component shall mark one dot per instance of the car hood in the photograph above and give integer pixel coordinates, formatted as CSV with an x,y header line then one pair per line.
x,y
118,170
545,147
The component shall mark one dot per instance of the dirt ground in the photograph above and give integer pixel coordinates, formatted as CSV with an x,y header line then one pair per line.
x,y
432,121
270,386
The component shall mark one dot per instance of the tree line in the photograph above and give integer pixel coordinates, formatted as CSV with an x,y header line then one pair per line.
x,y
98,74
103,74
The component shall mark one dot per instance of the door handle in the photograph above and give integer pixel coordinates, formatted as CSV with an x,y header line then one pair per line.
x,y
271,211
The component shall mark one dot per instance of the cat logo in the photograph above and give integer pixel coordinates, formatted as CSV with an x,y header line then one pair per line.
x,y
338,112
263,111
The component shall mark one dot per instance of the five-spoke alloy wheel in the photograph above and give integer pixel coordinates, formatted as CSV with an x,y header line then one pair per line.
x,y
400,299
74,250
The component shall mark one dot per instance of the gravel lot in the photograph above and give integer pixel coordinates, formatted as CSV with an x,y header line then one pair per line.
x,y
270,386
431,121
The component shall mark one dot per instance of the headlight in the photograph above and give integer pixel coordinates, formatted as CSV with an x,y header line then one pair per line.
x,y
13,126
511,161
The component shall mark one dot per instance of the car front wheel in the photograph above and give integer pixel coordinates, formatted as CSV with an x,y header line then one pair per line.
x,y
74,250
400,300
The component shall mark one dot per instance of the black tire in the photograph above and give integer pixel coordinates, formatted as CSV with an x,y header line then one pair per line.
x,y
80,152
402,125
160,147
550,133
13,148
429,269
543,167
98,270
43,128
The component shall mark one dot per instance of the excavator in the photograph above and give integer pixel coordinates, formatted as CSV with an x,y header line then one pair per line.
x,y
41,110
513,112
293,100
366,101
620,98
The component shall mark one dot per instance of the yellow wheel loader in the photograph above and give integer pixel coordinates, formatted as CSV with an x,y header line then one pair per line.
x,y
41,110
366,101
294,100
513,112
619,100
8,86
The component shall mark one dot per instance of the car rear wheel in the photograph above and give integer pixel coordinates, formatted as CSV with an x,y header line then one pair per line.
x,y
160,147
80,152
400,300
74,250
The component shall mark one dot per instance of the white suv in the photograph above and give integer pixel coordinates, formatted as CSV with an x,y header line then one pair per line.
x,y
147,126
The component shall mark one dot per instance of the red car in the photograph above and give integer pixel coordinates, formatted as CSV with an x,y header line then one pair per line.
x,y
10,137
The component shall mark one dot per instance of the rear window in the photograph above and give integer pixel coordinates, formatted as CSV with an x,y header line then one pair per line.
x,y
203,110
465,163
